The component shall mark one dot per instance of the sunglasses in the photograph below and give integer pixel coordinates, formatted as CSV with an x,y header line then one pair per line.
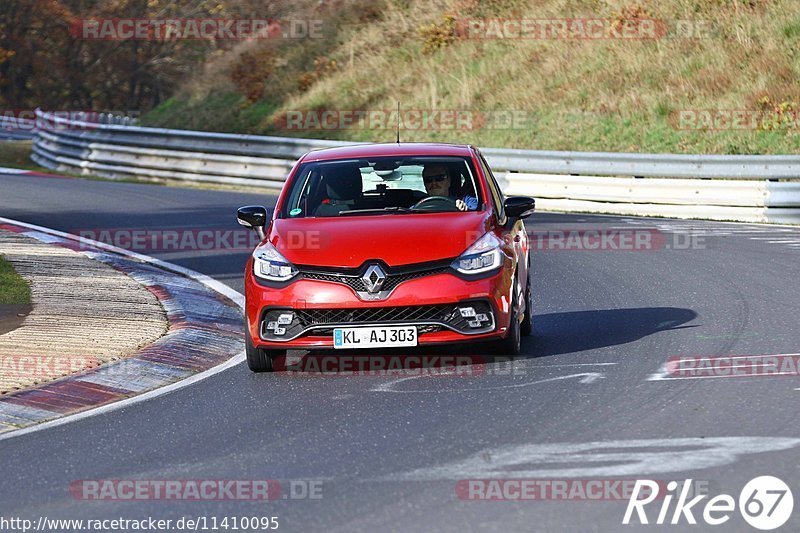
x,y
435,179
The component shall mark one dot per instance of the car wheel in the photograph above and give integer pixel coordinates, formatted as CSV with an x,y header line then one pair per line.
x,y
526,328
258,360
511,345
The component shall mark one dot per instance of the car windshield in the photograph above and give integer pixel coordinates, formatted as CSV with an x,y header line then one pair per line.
x,y
385,185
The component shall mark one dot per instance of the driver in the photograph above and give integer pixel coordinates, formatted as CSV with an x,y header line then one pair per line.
x,y
436,177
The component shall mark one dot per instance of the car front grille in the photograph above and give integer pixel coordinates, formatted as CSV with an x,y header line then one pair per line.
x,y
314,317
321,322
328,332
352,277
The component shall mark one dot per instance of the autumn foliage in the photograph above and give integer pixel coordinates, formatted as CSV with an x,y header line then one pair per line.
x,y
43,63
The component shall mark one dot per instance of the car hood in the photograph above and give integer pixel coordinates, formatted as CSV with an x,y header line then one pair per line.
x,y
396,239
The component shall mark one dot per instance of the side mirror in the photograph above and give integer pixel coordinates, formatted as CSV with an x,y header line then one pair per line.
x,y
519,206
253,217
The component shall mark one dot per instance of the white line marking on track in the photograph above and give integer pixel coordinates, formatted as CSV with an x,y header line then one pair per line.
x,y
213,284
600,458
644,220
586,377
8,170
574,364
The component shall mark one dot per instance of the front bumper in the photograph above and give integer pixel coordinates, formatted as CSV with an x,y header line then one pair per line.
x,y
317,307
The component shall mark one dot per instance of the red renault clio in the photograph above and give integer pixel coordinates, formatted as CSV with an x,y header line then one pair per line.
x,y
388,245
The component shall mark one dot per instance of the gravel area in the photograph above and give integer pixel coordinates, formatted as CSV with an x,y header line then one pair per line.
x,y
85,313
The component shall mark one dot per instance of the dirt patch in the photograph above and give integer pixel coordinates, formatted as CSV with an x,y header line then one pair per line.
x,y
12,315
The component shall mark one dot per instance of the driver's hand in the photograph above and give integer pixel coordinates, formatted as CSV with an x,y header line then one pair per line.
x,y
461,205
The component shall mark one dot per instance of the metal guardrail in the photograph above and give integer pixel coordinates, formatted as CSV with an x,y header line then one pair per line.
x,y
19,128
14,129
742,187
647,165
532,161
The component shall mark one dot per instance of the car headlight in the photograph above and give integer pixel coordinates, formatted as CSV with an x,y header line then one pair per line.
x,y
483,256
270,265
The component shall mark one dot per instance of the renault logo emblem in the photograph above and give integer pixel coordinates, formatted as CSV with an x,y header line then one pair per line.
x,y
373,278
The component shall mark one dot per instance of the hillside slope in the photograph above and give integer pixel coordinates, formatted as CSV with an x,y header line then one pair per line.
x,y
676,88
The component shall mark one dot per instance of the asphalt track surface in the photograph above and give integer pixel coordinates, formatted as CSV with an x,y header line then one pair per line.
x,y
580,403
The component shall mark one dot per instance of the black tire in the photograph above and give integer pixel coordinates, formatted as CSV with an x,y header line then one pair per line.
x,y
526,327
259,360
511,345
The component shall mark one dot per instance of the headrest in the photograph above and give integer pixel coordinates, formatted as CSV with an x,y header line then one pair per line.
x,y
343,182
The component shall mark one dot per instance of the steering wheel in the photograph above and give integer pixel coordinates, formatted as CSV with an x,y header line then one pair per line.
x,y
435,203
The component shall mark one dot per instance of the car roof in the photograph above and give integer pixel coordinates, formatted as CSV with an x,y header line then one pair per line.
x,y
389,149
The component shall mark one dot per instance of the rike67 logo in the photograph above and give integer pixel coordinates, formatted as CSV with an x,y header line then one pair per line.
x,y
765,503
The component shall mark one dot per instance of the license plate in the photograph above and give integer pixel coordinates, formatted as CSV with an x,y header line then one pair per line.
x,y
383,337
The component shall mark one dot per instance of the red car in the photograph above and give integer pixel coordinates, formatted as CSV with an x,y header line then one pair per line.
x,y
388,245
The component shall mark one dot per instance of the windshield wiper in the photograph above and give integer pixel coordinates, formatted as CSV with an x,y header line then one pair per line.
x,y
381,211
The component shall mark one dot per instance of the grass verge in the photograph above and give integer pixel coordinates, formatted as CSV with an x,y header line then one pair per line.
x,y
13,289
17,154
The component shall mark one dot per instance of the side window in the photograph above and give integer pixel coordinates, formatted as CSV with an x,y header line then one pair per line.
x,y
497,195
301,194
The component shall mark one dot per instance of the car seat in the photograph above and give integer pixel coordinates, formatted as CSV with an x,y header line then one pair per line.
x,y
343,186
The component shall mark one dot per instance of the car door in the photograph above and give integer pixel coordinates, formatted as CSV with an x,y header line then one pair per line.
x,y
514,233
